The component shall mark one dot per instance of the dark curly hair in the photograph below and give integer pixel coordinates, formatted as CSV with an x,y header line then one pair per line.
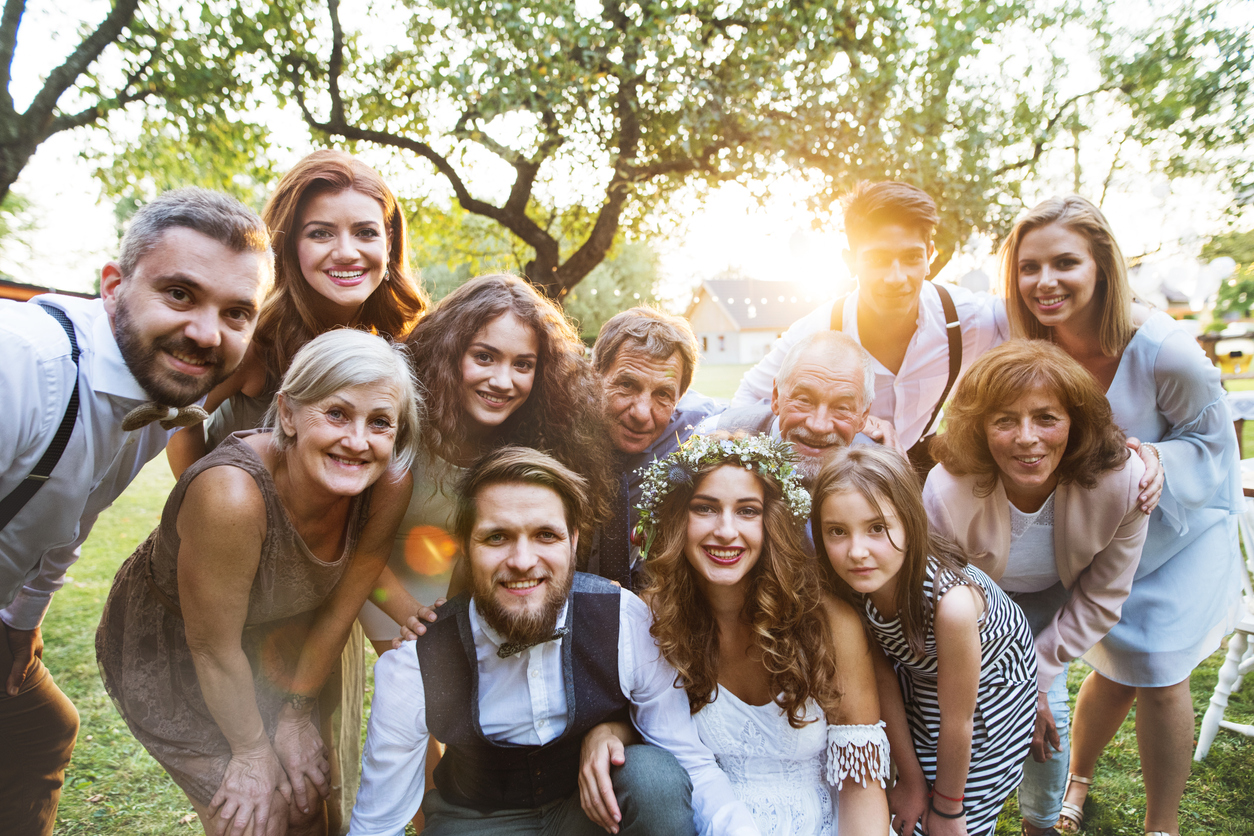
x,y
560,416
783,604
1005,374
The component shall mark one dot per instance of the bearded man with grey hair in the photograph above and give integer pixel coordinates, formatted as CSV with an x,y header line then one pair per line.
x,y
820,401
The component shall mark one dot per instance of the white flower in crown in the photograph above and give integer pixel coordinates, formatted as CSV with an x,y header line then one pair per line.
x,y
767,456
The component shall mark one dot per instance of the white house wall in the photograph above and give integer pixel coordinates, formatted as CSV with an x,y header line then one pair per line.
x,y
754,345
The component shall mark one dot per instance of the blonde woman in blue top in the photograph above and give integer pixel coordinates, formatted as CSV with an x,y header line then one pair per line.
x,y
1066,281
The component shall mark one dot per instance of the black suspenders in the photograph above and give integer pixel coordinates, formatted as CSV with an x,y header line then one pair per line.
x,y
11,504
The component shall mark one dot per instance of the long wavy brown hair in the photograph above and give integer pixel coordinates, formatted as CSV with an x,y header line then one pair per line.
x,y
783,604
884,478
287,320
1006,373
560,416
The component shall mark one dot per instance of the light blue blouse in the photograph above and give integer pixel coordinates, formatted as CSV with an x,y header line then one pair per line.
x,y
1186,595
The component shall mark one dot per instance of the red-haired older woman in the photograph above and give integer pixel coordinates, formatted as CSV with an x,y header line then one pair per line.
x,y
1037,486
1066,281
340,259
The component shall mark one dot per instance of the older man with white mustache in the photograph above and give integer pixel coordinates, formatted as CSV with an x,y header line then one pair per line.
x,y
820,401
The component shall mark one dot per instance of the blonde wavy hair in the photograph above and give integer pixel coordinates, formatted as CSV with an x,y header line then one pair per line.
x,y
783,604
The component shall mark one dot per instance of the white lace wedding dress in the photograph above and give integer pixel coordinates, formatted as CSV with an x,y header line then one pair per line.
x,y
782,773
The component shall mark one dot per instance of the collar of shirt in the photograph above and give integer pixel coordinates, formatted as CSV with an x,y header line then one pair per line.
x,y
906,399
109,371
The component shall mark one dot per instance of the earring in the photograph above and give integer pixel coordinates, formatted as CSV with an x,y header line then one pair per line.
x,y
387,277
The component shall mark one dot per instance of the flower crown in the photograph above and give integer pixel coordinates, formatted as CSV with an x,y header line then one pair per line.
x,y
766,455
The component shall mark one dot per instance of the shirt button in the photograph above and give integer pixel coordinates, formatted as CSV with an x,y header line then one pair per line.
x,y
534,674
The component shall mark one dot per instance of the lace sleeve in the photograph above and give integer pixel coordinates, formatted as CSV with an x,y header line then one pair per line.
x,y
857,752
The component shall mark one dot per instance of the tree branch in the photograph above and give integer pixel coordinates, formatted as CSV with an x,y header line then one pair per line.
x,y
336,65
9,23
130,91
1039,146
60,79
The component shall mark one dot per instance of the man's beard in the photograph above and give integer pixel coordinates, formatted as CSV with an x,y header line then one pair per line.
x,y
531,626
809,466
164,385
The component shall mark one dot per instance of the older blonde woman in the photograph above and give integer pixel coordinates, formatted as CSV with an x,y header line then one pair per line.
x,y
221,628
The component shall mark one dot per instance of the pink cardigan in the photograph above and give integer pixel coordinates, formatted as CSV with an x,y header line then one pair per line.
x,y
1098,535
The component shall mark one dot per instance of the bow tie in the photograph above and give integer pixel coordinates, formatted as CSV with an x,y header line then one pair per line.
x,y
169,416
510,648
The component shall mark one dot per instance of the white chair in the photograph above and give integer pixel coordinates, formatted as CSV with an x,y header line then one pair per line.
x,y
1240,659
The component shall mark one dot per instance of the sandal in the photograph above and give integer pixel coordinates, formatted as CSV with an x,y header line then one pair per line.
x,y
1072,816
1049,831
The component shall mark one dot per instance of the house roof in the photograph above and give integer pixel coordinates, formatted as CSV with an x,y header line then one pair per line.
x,y
21,291
754,304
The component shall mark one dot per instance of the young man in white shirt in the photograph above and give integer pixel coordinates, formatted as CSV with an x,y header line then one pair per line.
x,y
176,313
511,677
899,317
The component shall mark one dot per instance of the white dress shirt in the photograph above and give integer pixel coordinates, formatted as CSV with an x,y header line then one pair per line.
x,y
905,399
100,460
522,699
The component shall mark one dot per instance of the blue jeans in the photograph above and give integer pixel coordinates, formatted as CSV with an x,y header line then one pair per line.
x,y
1040,794
654,796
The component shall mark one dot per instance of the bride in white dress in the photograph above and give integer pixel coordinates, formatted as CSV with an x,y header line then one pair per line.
x,y
778,673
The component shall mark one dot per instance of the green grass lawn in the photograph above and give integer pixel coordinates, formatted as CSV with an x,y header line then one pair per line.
x,y
718,381
113,787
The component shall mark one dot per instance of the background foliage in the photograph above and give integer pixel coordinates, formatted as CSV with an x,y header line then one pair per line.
x,y
558,129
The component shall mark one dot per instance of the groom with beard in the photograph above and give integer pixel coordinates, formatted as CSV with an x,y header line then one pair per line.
x,y
511,677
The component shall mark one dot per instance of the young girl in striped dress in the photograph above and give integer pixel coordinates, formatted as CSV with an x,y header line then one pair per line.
x,y
961,650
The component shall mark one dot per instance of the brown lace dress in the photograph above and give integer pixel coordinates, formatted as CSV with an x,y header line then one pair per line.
x,y
142,648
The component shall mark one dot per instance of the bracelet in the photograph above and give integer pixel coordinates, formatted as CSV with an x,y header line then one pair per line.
x,y
939,794
932,806
300,702
1154,449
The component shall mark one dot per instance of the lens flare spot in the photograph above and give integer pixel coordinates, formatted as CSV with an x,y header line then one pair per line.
x,y
429,550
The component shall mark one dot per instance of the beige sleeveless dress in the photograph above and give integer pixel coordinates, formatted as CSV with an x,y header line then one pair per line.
x,y
141,644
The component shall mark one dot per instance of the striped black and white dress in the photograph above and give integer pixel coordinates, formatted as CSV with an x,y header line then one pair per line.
x,y
1005,708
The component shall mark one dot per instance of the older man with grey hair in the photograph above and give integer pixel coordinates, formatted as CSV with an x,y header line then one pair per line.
x,y
93,389
820,400
645,360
